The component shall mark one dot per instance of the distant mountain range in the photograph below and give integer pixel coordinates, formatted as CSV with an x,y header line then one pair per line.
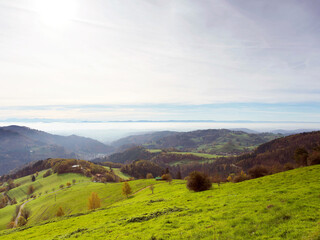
x,y
20,145
214,141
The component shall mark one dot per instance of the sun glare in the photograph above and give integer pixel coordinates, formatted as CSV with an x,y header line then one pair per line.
x,y
56,13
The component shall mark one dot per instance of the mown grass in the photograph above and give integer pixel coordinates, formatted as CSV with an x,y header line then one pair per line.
x,y
6,215
43,184
120,174
204,155
281,206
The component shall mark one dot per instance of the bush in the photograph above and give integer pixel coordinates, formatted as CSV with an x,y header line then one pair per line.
x,y
258,171
198,182
126,189
25,213
94,201
149,176
68,184
60,212
30,189
61,186
10,225
167,177
21,221
47,174
241,177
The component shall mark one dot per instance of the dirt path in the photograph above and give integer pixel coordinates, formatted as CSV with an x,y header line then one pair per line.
x,y
19,214
140,190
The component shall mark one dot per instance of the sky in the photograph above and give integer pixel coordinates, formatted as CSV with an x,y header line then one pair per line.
x,y
218,60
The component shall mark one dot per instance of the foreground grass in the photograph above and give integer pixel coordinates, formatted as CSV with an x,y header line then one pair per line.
x,y
281,206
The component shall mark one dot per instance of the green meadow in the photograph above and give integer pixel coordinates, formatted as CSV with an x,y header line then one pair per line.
x,y
120,174
281,206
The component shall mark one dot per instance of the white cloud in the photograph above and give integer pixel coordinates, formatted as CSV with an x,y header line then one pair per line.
x,y
143,52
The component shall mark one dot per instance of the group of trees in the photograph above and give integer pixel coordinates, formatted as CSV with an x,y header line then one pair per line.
x,y
303,158
139,169
61,166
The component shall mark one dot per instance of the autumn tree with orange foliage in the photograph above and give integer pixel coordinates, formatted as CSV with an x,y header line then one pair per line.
x,y
94,201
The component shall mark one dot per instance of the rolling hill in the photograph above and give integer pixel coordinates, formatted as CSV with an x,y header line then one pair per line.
x,y
280,206
276,155
20,145
214,141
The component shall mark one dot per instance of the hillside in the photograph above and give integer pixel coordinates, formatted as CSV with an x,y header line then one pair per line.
x,y
214,141
279,151
141,138
280,206
20,145
160,159
276,155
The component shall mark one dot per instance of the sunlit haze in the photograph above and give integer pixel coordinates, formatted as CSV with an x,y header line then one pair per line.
x,y
70,61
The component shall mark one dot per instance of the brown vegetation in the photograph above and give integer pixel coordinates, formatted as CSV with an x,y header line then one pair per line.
x,y
126,189
198,181
94,201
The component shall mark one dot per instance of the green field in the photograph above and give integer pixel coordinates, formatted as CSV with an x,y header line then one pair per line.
x,y
280,206
43,184
154,150
120,174
204,155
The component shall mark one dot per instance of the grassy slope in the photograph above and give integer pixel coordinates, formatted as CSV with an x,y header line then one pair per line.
x,y
281,206
41,186
121,174
208,157
6,215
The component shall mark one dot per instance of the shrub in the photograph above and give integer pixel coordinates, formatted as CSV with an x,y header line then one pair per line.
x,y
10,225
13,201
61,186
149,176
21,221
73,181
68,184
25,213
30,189
60,212
47,174
94,201
167,177
126,189
258,171
198,181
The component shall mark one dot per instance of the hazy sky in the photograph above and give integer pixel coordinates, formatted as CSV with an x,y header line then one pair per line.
x,y
120,60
